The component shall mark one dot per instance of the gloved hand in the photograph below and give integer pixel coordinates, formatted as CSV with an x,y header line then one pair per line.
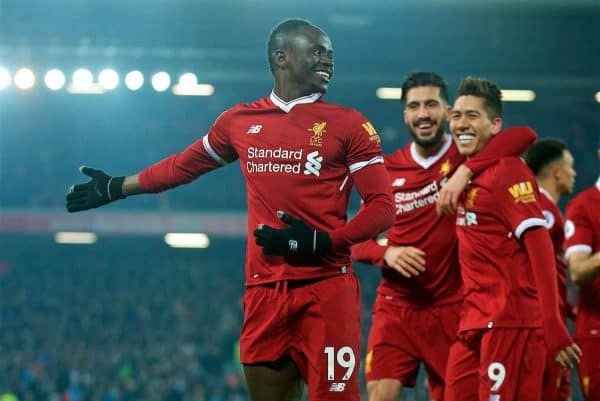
x,y
98,191
296,240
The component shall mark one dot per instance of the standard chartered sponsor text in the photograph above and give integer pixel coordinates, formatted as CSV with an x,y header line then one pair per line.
x,y
286,161
407,201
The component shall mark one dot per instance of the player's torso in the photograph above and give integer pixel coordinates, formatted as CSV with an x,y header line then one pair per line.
x,y
416,183
497,276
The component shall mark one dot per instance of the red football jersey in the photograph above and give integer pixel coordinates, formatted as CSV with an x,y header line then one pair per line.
x,y
297,157
555,223
415,183
496,208
582,231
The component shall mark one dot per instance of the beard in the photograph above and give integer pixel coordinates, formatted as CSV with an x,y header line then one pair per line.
x,y
429,143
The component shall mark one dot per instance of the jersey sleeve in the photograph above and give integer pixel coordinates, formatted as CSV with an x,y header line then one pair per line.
x,y
579,231
510,142
208,153
517,197
364,144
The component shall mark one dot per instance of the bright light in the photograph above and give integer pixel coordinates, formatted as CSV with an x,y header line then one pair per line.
x,y
187,240
75,238
188,79
134,80
108,79
161,81
517,95
82,79
54,79
4,78
597,96
195,90
24,78
389,93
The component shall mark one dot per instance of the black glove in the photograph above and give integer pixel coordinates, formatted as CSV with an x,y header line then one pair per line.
x,y
296,240
98,191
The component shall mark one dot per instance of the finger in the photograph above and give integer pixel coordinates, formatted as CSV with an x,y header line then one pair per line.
x,y
78,188
72,196
413,261
574,353
566,361
90,172
559,359
454,202
286,218
77,207
408,269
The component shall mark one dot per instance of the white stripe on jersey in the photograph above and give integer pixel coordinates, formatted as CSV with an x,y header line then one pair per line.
x,y
357,166
528,223
212,152
578,248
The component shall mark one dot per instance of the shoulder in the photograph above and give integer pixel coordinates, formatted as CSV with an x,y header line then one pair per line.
x,y
510,169
242,109
582,200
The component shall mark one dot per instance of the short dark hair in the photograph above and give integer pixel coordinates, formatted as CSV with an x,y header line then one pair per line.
x,y
278,39
421,78
483,88
543,153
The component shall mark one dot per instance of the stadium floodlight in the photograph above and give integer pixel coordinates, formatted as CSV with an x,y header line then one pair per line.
x,y
24,78
597,97
82,79
187,240
161,81
188,79
389,93
195,90
54,79
4,78
77,238
518,95
108,79
134,80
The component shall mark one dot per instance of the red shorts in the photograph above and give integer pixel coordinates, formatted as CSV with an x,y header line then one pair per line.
x,y
557,381
502,364
589,368
402,337
317,323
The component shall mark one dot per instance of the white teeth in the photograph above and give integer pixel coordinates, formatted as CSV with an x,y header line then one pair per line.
x,y
465,138
323,74
425,125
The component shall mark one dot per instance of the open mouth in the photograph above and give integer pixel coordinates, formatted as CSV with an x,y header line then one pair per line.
x,y
325,75
465,139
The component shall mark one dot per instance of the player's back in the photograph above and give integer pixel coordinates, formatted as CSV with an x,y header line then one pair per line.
x,y
416,182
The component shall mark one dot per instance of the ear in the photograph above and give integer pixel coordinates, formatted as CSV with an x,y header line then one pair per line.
x,y
496,125
280,57
556,171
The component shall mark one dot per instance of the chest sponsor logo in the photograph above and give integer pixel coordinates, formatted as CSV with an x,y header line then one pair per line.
x,y
409,201
445,168
254,129
398,182
522,192
285,161
318,130
373,135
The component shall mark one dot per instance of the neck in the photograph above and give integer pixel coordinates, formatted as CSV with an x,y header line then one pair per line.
x,y
432,150
551,189
286,92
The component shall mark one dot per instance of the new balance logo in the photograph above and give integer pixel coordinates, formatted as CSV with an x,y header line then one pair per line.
x,y
254,129
398,182
337,387
313,164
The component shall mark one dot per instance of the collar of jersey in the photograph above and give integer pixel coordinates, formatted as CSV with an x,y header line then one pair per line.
x,y
427,162
546,193
287,106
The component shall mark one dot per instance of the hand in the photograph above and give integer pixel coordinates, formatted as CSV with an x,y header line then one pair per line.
x,y
568,356
407,260
98,191
447,203
296,240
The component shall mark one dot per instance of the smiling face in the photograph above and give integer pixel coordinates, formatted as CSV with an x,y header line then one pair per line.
x,y
425,115
309,61
471,125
